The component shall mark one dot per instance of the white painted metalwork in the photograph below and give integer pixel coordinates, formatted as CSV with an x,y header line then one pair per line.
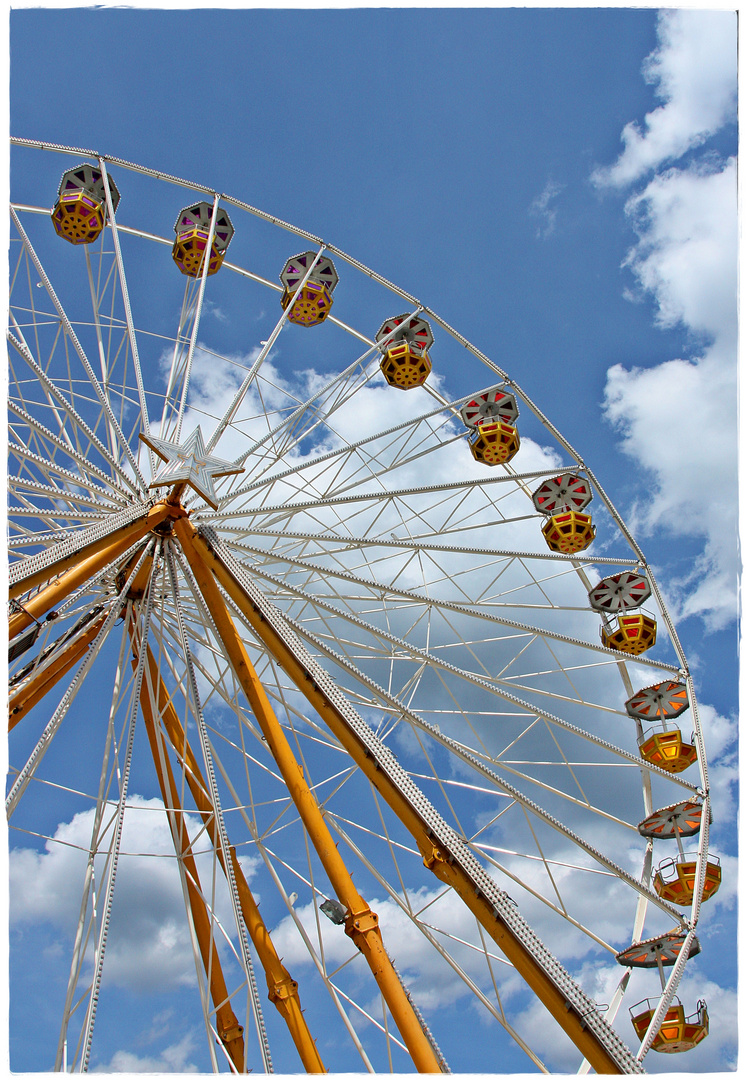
x,y
254,369
197,313
122,442
68,408
26,774
413,584
219,820
124,780
85,921
132,336
337,380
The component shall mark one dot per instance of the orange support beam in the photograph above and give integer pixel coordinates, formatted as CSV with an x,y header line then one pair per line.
x,y
230,1031
75,570
450,872
283,990
36,686
361,924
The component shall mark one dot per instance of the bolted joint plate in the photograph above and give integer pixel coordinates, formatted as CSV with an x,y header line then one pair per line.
x,y
281,991
432,856
360,922
231,1034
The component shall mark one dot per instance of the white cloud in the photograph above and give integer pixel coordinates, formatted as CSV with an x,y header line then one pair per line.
x,y
694,72
547,1039
172,1059
541,208
149,943
209,307
678,420
720,736
686,255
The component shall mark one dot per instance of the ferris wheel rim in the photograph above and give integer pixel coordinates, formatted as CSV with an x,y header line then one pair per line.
x,y
639,561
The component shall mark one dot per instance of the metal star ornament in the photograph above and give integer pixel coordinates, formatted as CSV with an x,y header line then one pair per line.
x,y
189,463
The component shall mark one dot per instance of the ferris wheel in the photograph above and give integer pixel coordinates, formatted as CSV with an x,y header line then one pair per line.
x,y
302,579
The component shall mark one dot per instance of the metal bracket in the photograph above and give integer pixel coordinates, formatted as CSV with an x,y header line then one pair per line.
x,y
360,922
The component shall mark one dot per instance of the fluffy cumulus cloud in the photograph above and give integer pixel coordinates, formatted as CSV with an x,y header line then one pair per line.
x,y
681,202
172,1059
647,407
149,945
685,261
686,253
721,740
694,72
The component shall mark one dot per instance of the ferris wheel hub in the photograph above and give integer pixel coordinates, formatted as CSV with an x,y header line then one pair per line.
x,y
188,465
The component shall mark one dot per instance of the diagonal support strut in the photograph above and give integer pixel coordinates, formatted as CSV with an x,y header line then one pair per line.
x,y
361,924
283,990
444,852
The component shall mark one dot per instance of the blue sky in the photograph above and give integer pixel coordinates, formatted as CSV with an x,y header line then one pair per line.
x,y
558,184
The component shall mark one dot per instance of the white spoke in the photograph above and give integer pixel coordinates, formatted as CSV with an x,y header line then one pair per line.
x,y
81,426
96,386
100,947
434,664
27,772
252,373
